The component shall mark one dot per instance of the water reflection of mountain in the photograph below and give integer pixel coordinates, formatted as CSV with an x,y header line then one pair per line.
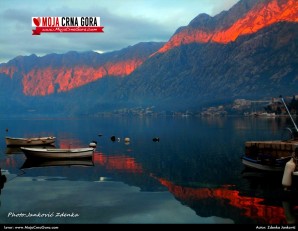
x,y
126,169
268,187
108,167
229,202
249,201
246,206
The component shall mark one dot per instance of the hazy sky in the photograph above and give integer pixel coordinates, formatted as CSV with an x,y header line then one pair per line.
x,y
125,22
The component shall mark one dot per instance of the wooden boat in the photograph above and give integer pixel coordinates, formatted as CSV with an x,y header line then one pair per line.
x,y
35,163
271,155
266,164
13,141
42,153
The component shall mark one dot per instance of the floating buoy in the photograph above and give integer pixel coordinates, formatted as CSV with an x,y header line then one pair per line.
x,y
113,138
127,140
156,139
287,177
93,144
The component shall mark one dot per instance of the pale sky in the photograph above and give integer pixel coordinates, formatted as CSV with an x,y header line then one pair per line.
x,y
125,22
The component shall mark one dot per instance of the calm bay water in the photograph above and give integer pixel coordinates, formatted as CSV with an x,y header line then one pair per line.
x,y
193,175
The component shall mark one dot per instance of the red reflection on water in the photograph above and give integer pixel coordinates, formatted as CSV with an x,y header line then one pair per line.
x,y
10,162
70,143
118,162
251,207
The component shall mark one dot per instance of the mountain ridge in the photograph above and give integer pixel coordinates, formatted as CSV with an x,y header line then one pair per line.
x,y
245,17
54,73
254,66
188,76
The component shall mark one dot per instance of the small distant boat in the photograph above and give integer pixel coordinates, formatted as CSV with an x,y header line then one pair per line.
x,y
35,163
72,153
13,141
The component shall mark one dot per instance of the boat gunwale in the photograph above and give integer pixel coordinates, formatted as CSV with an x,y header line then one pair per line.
x,y
58,150
31,138
252,163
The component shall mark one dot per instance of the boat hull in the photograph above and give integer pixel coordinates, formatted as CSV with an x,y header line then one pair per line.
x,y
17,149
11,141
278,166
40,153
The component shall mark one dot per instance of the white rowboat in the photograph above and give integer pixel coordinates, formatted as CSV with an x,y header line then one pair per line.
x,y
12,141
58,153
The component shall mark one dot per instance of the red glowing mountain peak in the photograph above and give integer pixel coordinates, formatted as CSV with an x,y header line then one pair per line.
x,y
54,73
48,80
223,29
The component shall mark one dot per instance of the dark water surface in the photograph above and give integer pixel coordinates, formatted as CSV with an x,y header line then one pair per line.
x,y
194,175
